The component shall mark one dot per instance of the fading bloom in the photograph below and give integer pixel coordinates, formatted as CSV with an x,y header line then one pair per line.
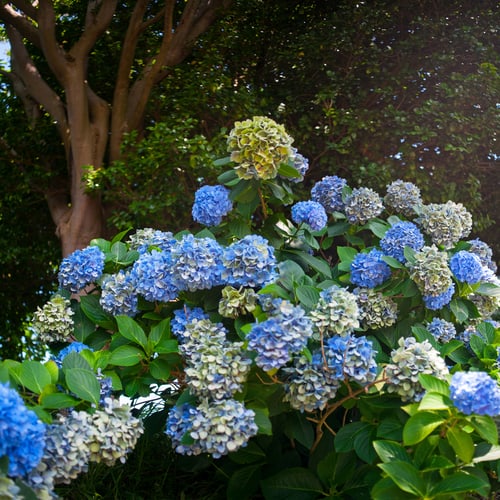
x,y
362,205
466,267
328,192
197,263
436,302
375,309
153,276
301,164
54,322
369,270
144,240
182,317
442,330
118,294
403,197
199,332
445,223
259,146
430,271
409,360
235,302
337,312
211,204
484,252
22,435
310,212
350,357
399,236
81,268
308,388
281,335
475,393
249,262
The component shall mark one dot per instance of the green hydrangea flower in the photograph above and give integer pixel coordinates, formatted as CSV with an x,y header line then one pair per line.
x,y
259,146
54,321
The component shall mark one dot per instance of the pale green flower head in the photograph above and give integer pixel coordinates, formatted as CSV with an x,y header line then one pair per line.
x,y
236,302
430,271
258,146
54,321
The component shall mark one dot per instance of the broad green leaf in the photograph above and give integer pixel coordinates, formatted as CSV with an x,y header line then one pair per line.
x,y
286,170
459,309
344,440
158,331
131,330
319,265
388,451
346,254
262,419
406,476
419,426
462,443
118,251
126,355
338,228
392,262
460,482
387,489
34,376
75,360
249,454
297,427
53,370
83,326
58,400
377,228
160,369
93,310
229,174
433,384
167,346
295,483
485,452
363,443
244,482
102,244
83,384
486,427
308,296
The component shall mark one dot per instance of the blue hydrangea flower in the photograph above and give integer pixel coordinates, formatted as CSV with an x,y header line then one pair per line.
x,y
475,392
362,205
73,347
443,330
179,423
368,270
301,164
466,267
118,294
403,197
81,268
144,240
197,263
436,302
249,262
350,357
484,252
399,236
211,204
310,212
183,317
22,435
328,192
153,276
278,337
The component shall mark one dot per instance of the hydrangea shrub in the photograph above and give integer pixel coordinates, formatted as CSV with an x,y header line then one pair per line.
x,y
293,342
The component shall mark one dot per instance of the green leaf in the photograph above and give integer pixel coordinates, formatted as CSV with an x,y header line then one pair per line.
x,y
244,483
167,346
160,369
262,420
131,330
388,451
392,262
57,400
75,360
286,170
346,254
308,296
84,384
295,483
226,175
434,401
460,482
485,452
459,309
319,265
406,476
93,310
126,355
344,440
102,244
158,331
486,427
462,443
249,454
387,489
433,384
377,228
419,426
297,427
34,376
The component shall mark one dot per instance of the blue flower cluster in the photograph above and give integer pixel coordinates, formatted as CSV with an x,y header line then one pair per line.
x,y
196,263
484,252
118,294
211,204
328,192
475,392
22,435
146,239
81,268
301,164
214,428
403,197
399,236
182,317
368,270
153,276
278,337
349,357
249,262
310,212
436,302
362,205
443,330
466,267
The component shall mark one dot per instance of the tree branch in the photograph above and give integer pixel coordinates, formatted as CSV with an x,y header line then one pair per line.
x,y
20,22
97,19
